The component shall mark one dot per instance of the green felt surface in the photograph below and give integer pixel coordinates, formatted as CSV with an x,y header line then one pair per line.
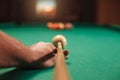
x,y
94,51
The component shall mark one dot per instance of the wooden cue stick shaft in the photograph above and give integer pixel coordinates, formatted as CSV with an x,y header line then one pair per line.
x,y
61,72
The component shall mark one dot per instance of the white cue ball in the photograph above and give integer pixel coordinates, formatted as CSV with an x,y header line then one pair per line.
x,y
59,38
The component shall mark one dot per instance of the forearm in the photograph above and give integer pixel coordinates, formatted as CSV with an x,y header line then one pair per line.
x,y
13,52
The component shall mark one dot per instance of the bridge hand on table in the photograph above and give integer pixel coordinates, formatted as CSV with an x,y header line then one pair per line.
x,y
45,54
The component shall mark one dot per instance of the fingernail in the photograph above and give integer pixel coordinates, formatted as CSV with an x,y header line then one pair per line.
x,y
55,51
65,52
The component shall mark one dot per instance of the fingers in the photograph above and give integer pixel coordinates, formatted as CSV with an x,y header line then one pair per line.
x,y
42,47
55,51
66,52
51,47
45,48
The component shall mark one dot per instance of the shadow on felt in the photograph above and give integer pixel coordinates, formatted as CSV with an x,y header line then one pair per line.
x,y
20,73
25,73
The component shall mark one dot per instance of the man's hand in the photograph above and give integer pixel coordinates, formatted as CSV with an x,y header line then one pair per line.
x,y
45,54
13,53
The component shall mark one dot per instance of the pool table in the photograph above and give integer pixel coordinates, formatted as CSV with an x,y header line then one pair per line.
x,y
94,51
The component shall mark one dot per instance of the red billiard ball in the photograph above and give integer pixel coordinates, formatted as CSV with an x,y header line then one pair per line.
x,y
55,26
68,25
60,26
49,25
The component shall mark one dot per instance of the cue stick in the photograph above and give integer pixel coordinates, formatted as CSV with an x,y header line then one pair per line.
x,y
61,72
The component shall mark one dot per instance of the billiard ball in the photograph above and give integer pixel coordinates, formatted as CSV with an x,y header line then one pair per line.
x,y
59,38
49,25
54,26
60,26
68,25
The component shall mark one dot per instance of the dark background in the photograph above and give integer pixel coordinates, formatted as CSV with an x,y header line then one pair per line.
x,y
93,11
